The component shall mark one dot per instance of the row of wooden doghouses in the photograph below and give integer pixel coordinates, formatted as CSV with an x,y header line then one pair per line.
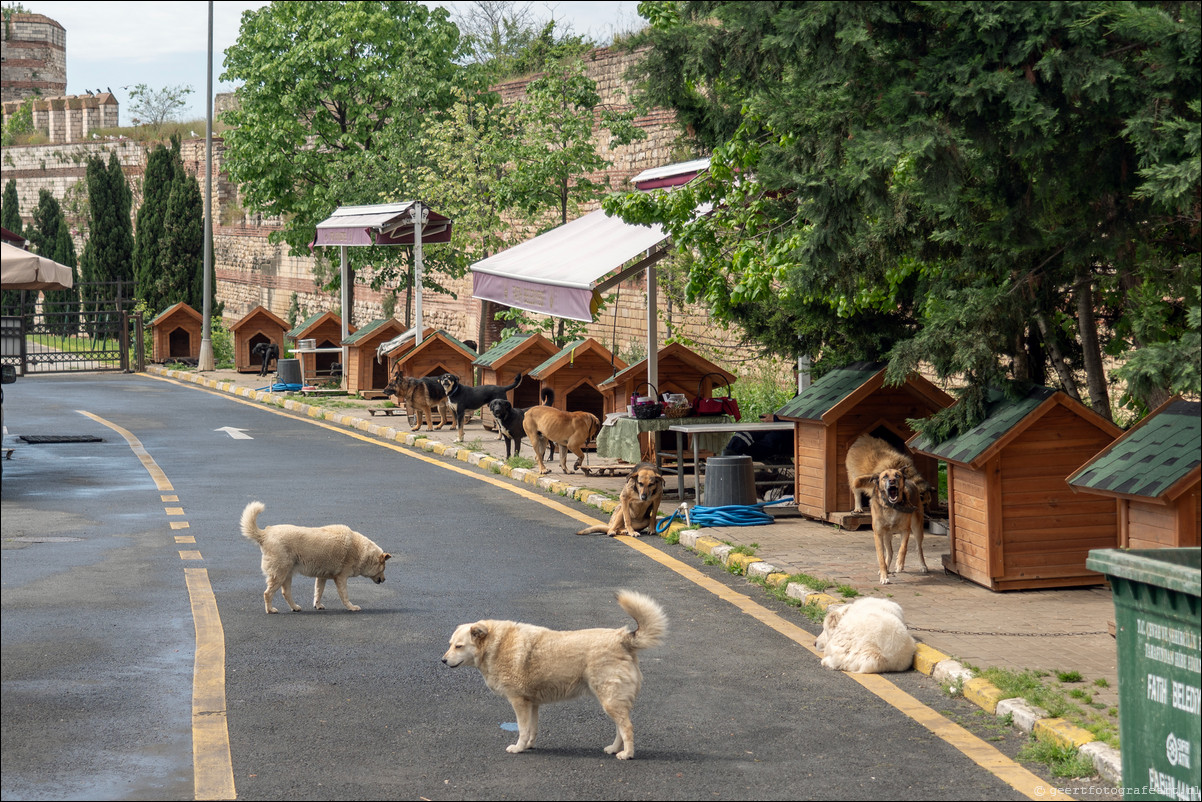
x,y
1031,490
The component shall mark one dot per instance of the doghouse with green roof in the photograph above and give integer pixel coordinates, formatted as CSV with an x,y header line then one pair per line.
x,y
365,375
1152,472
1014,522
325,329
575,374
517,353
830,414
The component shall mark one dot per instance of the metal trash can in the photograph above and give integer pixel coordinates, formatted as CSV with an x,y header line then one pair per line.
x,y
1156,603
288,371
729,481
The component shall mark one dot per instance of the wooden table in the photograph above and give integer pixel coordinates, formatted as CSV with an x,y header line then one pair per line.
x,y
300,353
619,435
697,431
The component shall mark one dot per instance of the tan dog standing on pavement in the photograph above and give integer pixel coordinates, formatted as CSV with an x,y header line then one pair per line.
x,y
328,552
638,504
897,494
531,665
571,431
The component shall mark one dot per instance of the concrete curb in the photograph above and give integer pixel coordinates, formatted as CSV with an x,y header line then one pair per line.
x,y
957,679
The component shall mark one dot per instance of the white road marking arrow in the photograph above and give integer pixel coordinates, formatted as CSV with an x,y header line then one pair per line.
x,y
237,434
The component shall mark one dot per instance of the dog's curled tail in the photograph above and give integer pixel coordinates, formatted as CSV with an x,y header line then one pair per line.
x,y
652,623
250,521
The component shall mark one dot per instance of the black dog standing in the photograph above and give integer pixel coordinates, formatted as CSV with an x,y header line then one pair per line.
x,y
268,351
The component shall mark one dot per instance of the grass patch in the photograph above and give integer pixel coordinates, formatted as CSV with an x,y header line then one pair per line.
x,y
811,582
1062,761
748,550
1074,705
1068,676
519,462
847,591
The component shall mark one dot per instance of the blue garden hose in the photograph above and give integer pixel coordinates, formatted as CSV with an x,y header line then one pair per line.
x,y
732,515
284,388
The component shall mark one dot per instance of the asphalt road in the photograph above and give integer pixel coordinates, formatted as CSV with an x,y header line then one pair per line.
x,y
99,641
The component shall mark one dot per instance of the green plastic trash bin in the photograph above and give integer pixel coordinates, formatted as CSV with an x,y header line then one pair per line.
x,y
1156,603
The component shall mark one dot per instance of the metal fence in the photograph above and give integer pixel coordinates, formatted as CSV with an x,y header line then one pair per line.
x,y
90,327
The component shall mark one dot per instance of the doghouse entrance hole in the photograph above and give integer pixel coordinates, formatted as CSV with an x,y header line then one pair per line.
x,y
179,343
586,398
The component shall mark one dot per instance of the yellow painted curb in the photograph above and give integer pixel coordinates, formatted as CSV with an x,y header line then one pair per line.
x,y
982,693
925,658
706,544
776,579
823,600
1059,731
742,560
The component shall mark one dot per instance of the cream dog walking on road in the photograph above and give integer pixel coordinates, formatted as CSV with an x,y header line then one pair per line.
x,y
531,665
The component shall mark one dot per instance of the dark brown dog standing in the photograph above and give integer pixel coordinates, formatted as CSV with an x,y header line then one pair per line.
x,y
571,431
420,398
638,504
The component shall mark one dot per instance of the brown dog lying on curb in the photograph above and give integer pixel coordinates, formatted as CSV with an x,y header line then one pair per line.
x,y
571,431
638,504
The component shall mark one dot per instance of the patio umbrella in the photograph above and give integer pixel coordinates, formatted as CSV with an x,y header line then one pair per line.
x,y
23,270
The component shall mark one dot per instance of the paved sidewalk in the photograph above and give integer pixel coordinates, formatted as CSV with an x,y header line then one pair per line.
x,y
1043,630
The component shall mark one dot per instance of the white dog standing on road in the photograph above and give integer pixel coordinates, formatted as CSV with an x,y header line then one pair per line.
x,y
868,636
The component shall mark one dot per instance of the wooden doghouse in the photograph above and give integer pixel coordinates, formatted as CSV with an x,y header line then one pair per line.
x,y
681,370
367,376
576,373
257,326
177,331
1153,473
438,353
325,329
517,353
1014,522
830,414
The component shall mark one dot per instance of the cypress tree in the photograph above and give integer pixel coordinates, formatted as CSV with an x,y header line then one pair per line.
x,y
163,167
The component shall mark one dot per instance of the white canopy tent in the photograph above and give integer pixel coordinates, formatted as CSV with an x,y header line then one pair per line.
x,y
405,223
23,270
563,272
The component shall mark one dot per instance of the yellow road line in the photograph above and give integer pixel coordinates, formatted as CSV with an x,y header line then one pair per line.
x,y
212,767
152,467
983,754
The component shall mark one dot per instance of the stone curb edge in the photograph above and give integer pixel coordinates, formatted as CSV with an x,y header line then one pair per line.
x,y
942,668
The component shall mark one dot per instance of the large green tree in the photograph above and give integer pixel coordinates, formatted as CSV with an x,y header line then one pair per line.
x,y
1004,192
169,243
331,102
108,252
10,208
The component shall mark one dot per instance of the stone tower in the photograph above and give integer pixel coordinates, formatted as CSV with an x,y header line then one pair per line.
x,y
34,49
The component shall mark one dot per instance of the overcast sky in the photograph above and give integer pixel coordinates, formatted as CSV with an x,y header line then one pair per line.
x,y
118,45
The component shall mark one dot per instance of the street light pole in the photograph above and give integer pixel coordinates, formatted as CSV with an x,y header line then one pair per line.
x,y
206,338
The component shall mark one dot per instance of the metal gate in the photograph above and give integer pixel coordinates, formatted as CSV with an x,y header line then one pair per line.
x,y
90,327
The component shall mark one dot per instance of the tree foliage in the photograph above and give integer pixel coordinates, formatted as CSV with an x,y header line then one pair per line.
x,y
108,253
10,208
156,107
169,244
331,102
1004,192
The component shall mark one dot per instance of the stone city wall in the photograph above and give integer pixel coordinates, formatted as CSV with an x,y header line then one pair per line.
x,y
252,271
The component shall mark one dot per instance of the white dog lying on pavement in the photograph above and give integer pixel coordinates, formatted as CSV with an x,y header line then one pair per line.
x,y
867,636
